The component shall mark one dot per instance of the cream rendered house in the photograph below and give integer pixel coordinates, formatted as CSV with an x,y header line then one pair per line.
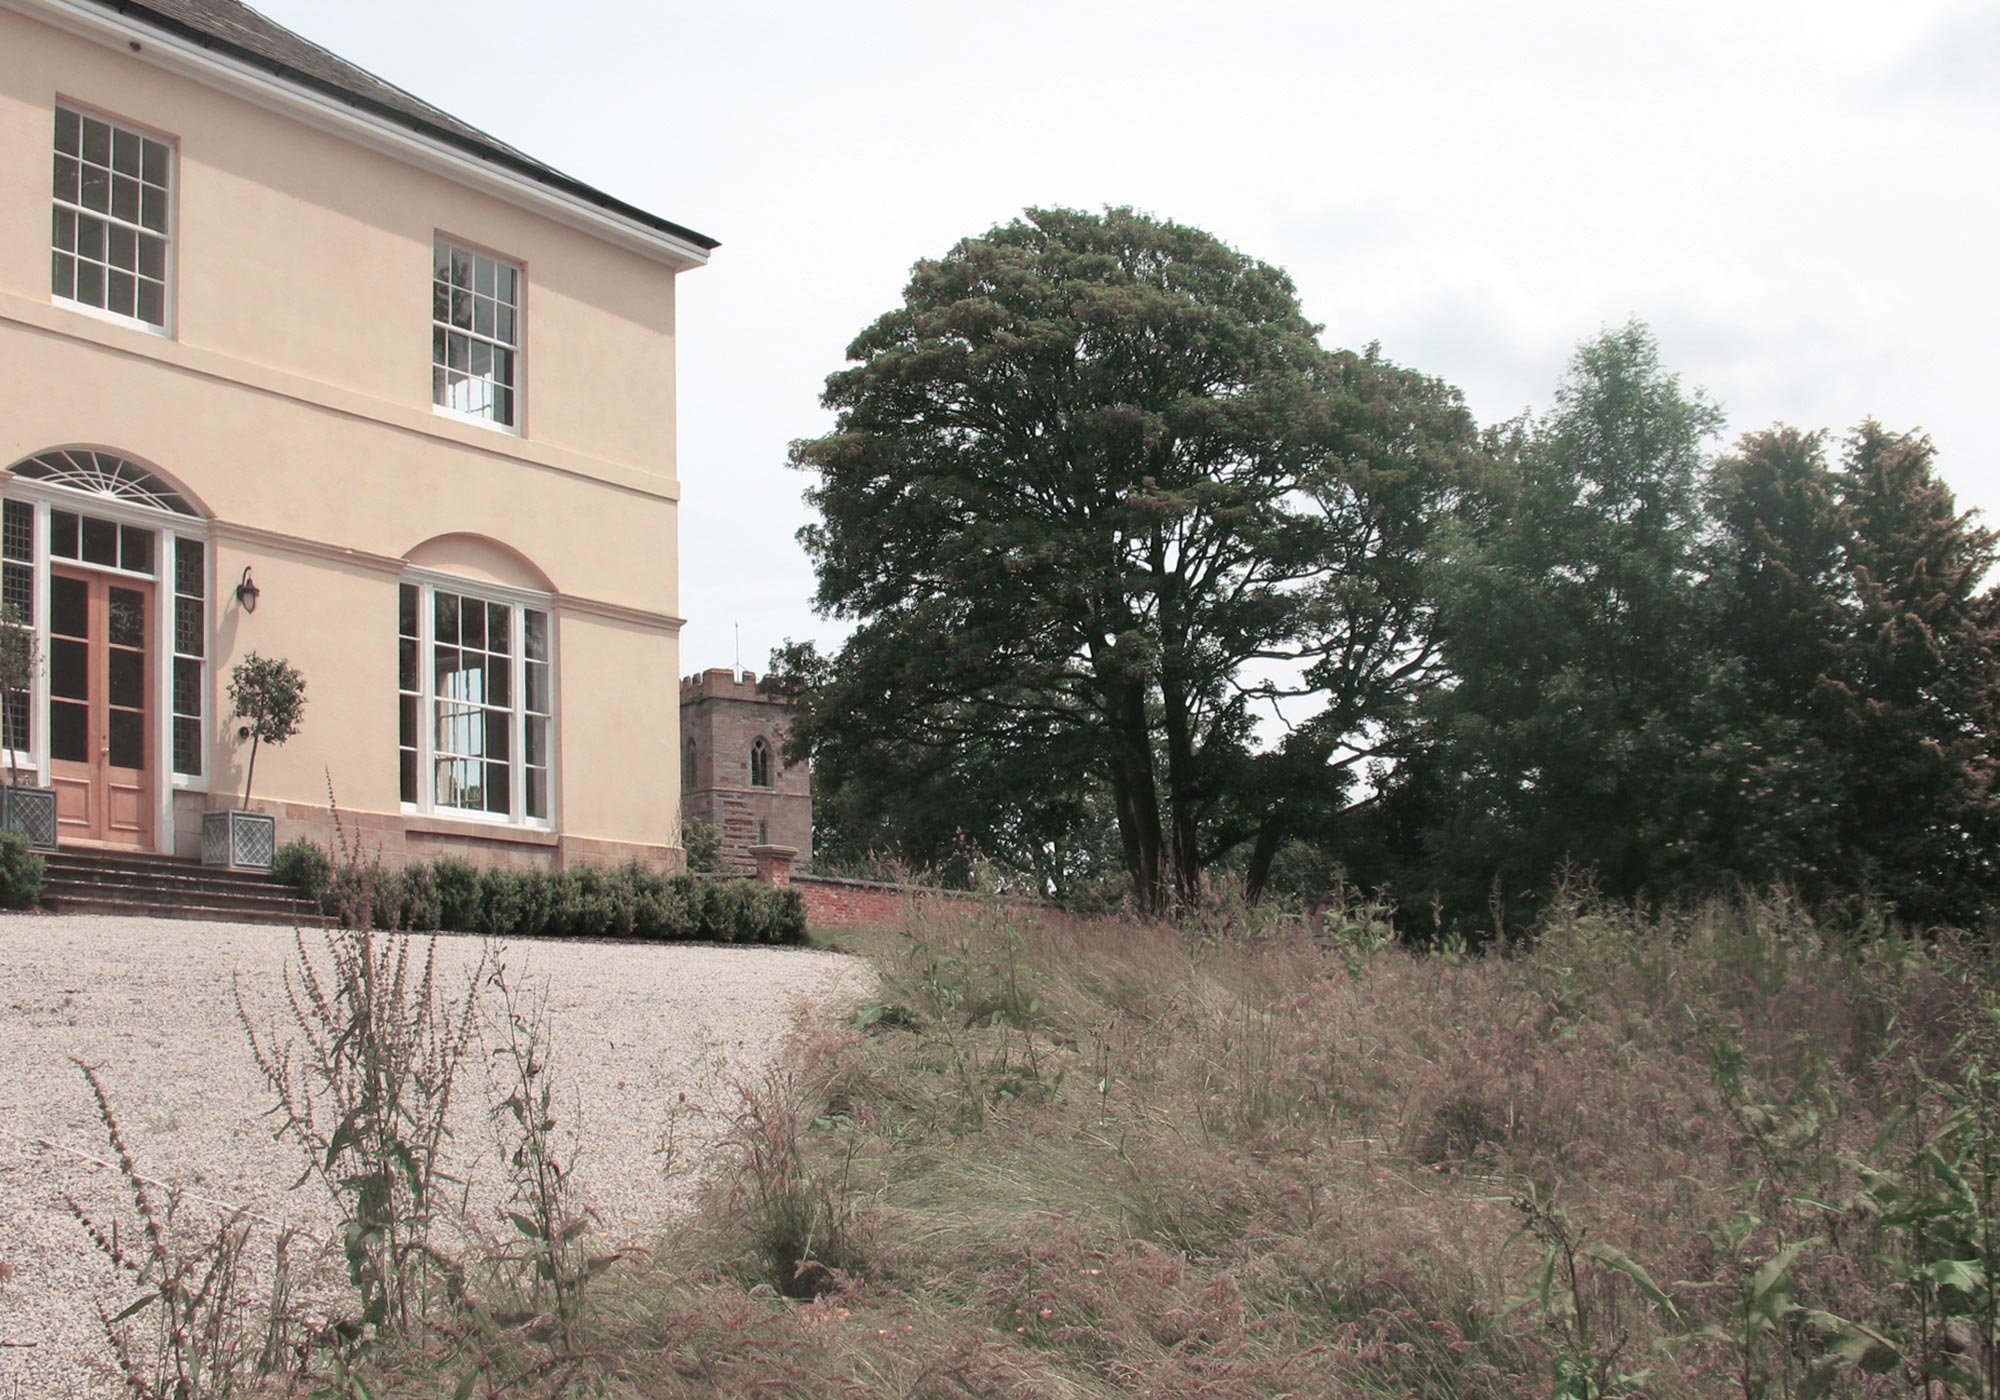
x,y
293,363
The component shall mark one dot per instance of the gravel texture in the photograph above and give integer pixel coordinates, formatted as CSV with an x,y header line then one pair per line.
x,y
151,1004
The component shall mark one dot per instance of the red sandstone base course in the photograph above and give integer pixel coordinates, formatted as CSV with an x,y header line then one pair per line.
x,y
399,838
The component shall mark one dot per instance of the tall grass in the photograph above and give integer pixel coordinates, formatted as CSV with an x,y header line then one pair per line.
x,y
1717,1153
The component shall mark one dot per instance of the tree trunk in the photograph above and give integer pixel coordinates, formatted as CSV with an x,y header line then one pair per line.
x,y
1135,794
251,776
1181,796
1269,837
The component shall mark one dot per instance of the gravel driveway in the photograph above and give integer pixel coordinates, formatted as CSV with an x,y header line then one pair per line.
x,y
149,1004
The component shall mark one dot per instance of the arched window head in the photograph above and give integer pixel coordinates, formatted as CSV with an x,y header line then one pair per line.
x,y
102,474
687,767
760,762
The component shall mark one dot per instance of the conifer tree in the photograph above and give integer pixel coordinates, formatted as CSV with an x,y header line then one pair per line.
x,y
1758,797
1919,684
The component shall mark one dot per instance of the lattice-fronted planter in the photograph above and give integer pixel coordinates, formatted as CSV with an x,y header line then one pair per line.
x,y
238,840
31,811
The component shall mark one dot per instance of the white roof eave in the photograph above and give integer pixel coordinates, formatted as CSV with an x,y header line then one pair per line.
x,y
275,94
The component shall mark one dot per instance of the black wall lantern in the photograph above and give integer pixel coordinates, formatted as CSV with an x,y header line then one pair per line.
x,y
247,591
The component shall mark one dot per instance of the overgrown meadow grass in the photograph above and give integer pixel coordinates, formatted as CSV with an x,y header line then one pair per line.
x,y
1716,1153
1720,1153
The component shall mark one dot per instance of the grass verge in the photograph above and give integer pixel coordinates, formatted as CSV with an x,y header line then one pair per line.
x,y
1721,1153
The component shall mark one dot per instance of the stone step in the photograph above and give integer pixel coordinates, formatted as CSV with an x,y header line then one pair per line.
x,y
62,894
132,882
137,860
277,903
191,878
213,913
159,865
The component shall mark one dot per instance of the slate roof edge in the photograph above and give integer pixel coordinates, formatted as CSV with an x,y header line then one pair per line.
x,y
489,150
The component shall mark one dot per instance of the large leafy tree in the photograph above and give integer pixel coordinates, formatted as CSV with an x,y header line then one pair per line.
x,y
882,801
1759,794
1097,497
1566,620
1682,676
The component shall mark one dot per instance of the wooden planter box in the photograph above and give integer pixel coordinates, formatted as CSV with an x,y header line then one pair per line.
x,y
31,811
238,840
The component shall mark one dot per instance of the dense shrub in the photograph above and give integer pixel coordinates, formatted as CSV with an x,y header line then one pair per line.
x,y
458,892
422,904
305,866
387,905
628,901
21,871
740,911
703,845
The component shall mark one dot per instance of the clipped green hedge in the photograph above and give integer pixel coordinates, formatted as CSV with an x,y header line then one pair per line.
x,y
22,873
628,901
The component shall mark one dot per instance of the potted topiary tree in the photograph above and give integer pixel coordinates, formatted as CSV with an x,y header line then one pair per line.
x,y
24,807
268,696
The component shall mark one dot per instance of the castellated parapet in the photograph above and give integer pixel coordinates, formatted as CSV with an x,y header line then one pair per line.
x,y
733,770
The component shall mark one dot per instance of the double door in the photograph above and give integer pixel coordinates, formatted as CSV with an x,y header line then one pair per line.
x,y
100,706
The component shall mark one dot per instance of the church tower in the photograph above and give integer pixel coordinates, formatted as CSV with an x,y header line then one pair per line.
x,y
733,770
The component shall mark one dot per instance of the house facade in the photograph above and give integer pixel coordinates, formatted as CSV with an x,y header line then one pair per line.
x,y
292,363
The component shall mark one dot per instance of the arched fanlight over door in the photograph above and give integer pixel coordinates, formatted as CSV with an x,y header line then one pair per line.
x,y
108,561
103,474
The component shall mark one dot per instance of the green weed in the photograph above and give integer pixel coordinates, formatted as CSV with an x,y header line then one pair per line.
x,y
363,1076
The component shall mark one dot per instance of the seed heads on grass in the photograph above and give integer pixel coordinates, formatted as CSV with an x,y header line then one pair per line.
x,y
187,1335
802,1216
548,1229
363,1075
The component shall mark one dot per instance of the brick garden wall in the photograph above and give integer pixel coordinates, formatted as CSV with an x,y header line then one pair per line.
x,y
833,903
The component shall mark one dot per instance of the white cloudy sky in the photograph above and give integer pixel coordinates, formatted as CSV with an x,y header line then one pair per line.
x,y
1801,198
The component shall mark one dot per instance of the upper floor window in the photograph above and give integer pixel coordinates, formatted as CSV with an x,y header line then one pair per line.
x,y
475,334
760,762
110,240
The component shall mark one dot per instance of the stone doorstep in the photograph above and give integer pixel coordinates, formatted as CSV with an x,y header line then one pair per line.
x,y
62,897
117,882
196,877
219,914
